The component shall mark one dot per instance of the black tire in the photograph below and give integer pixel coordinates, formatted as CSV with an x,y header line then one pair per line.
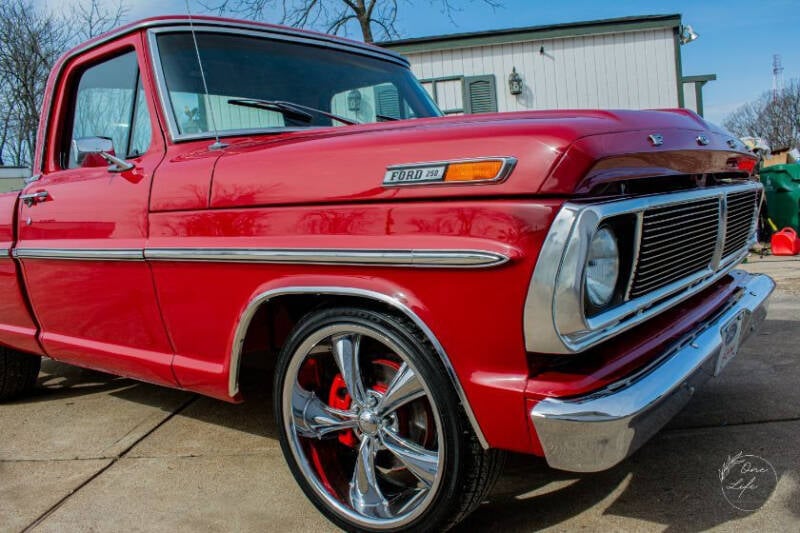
x,y
465,472
18,373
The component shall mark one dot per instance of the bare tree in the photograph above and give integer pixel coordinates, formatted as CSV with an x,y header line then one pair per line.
x,y
31,40
92,19
773,117
332,16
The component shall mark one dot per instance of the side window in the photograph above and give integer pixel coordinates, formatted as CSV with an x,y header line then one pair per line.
x,y
110,103
141,130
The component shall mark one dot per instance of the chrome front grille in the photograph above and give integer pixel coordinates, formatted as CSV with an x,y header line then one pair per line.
x,y
739,220
674,245
682,239
676,241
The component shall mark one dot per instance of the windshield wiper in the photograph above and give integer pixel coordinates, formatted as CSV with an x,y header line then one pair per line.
x,y
386,118
290,109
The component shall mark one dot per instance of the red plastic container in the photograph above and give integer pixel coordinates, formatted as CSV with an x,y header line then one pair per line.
x,y
785,242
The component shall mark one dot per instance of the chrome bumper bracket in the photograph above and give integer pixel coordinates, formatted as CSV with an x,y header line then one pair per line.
x,y
596,431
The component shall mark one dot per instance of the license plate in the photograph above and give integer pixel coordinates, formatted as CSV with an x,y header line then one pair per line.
x,y
731,337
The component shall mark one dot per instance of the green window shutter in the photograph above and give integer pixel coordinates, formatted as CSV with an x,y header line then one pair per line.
x,y
387,101
480,95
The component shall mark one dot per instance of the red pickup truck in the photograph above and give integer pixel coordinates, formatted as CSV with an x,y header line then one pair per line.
x,y
220,205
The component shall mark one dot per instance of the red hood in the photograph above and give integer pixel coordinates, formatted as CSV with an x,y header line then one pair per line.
x,y
559,153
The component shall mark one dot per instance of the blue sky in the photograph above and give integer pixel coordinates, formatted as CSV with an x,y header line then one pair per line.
x,y
737,37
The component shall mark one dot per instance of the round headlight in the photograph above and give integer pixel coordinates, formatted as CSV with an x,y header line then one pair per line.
x,y
602,268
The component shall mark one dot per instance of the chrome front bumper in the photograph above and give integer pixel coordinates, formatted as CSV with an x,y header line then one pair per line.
x,y
596,431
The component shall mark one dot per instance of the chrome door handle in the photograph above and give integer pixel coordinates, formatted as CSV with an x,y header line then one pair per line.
x,y
33,198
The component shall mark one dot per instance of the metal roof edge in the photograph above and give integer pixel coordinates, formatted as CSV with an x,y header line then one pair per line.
x,y
699,78
203,21
531,33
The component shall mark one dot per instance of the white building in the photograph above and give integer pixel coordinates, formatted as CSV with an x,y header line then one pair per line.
x,y
632,62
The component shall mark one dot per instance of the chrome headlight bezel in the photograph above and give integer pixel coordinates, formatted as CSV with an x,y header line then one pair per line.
x,y
556,319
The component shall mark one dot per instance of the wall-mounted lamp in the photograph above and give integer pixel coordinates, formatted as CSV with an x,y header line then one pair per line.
x,y
687,35
514,82
354,100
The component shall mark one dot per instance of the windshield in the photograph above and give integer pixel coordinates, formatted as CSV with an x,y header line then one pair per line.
x,y
354,86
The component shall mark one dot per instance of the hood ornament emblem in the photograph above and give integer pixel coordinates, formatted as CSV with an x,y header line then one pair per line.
x,y
656,139
702,140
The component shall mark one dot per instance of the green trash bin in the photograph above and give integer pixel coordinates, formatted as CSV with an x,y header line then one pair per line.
x,y
782,188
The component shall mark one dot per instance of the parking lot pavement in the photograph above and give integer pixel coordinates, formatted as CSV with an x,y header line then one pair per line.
x,y
92,452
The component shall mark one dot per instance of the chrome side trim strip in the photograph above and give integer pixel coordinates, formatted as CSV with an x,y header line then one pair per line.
x,y
554,319
412,258
391,258
595,431
87,254
257,301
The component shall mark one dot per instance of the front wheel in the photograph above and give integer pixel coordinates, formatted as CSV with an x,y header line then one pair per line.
x,y
372,428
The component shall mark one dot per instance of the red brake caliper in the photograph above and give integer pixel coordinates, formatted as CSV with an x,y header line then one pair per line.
x,y
338,398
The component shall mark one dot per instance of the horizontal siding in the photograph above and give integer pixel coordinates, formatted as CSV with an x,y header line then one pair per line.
x,y
634,70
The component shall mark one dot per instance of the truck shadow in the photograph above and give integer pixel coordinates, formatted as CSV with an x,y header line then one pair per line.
x,y
59,381
670,484
661,488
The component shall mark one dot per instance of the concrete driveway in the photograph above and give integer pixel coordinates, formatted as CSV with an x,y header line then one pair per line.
x,y
92,452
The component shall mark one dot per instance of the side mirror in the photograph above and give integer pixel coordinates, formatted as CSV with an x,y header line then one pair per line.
x,y
97,152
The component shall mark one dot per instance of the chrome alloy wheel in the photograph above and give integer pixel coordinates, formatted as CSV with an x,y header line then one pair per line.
x,y
362,426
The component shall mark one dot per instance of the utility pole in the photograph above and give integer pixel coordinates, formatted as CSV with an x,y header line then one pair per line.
x,y
777,76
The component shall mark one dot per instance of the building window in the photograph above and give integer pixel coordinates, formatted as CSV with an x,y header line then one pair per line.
x,y
456,95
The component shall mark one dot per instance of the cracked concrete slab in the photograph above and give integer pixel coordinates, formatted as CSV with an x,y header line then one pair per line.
x,y
213,427
671,484
204,465
82,414
209,494
28,489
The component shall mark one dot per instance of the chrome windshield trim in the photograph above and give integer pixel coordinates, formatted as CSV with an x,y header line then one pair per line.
x,y
557,283
200,21
410,258
247,30
85,254
260,299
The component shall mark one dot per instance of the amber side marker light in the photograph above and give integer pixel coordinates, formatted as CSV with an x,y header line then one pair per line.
x,y
473,171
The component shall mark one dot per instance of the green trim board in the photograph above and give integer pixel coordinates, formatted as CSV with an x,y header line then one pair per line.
x,y
699,78
676,36
699,81
532,33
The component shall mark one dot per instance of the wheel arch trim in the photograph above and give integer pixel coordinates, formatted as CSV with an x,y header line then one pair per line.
x,y
264,297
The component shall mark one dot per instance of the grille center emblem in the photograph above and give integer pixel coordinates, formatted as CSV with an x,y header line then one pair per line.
x,y
656,139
